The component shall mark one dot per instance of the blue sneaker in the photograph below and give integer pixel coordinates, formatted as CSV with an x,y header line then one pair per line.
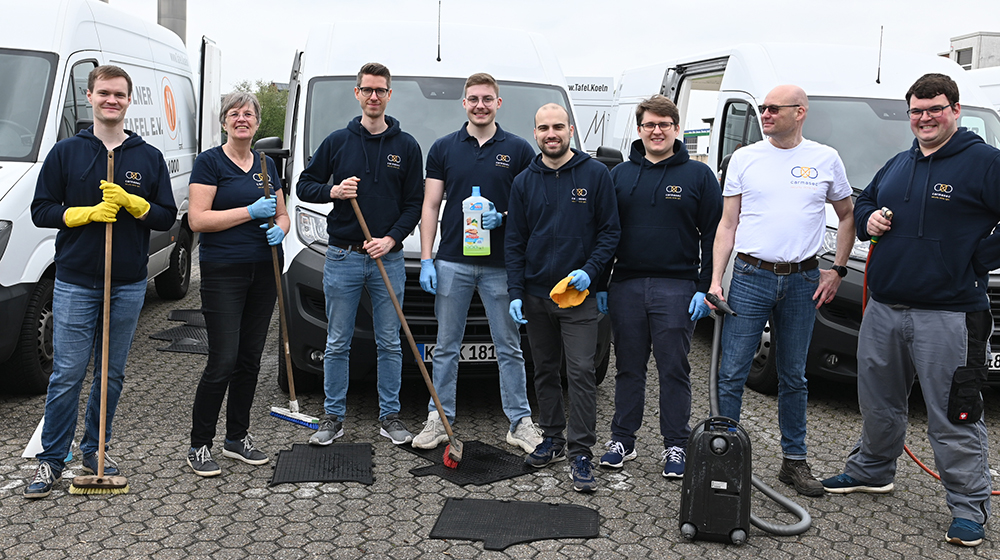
x,y
90,464
674,458
964,532
45,477
546,453
581,472
845,484
617,454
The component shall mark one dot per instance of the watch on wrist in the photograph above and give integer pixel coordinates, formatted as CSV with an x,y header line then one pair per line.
x,y
841,270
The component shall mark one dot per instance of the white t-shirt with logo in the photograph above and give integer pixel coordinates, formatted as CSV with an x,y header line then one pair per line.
x,y
784,194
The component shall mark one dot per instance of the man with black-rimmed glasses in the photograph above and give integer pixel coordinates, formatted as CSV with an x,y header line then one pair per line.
x,y
774,215
932,210
374,161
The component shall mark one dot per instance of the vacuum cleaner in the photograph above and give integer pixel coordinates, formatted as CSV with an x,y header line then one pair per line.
x,y
715,493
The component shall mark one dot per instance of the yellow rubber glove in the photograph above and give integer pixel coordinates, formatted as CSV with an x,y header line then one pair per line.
x,y
136,205
82,215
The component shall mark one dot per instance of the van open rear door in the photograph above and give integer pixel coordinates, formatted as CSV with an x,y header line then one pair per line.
x,y
210,93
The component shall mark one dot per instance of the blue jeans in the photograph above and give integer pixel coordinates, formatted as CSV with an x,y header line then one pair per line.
x,y
652,312
345,274
455,284
237,300
758,295
76,329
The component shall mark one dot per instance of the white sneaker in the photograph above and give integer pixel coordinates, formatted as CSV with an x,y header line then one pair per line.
x,y
527,436
433,433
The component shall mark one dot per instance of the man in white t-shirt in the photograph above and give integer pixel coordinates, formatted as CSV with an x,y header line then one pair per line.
x,y
774,215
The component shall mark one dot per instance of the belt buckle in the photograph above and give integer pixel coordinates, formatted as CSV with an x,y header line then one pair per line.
x,y
783,268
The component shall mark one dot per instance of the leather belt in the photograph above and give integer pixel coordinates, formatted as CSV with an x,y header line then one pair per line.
x,y
360,248
782,268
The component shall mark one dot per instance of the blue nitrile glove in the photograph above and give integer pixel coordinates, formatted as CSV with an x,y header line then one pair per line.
x,y
491,218
580,280
428,276
698,308
274,234
263,208
515,312
602,302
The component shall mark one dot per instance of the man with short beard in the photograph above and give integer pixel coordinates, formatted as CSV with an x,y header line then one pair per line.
x,y
562,220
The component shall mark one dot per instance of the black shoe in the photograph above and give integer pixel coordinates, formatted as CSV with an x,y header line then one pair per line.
x,y
244,450
90,464
201,461
798,474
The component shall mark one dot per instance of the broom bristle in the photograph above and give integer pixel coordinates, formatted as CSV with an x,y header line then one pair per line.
x,y
86,484
449,462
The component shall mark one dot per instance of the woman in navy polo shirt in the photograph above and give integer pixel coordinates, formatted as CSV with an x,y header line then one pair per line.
x,y
238,292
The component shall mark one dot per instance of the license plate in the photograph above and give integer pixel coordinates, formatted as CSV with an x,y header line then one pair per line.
x,y
469,352
994,362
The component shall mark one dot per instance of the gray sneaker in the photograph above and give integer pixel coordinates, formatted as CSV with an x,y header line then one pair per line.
x,y
433,433
394,429
244,450
329,429
527,436
200,460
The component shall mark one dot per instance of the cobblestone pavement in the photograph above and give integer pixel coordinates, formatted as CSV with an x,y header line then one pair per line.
x,y
170,513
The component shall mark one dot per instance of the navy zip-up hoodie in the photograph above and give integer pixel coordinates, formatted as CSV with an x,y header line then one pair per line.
x,y
669,212
390,191
560,220
940,249
71,176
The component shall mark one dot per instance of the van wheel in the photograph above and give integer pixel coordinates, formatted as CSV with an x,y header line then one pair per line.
x,y
29,367
173,282
763,376
305,382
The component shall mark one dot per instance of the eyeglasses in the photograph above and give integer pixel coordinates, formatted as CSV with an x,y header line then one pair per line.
x,y
932,112
650,126
379,92
488,101
248,115
773,108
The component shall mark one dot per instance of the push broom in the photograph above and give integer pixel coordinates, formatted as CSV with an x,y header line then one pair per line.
x,y
291,413
98,483
453,451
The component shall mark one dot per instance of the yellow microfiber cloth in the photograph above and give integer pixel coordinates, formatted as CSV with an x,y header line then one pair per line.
x,y
567,296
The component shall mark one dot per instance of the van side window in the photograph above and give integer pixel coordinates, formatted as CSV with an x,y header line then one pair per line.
x,y
739,128
75,106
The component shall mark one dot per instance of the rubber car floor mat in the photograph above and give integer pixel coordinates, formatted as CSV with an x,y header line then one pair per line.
x,y
193,340
341,462
501,523
192,317
481,464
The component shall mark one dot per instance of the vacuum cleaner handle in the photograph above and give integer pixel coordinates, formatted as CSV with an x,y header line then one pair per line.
x,y
720,304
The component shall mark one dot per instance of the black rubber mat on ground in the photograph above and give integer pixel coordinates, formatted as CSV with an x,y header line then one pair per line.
x,y
193,340
481,464
192,317
341,462
500,524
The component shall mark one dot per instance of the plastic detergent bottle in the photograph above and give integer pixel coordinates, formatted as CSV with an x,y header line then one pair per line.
x,y
475,238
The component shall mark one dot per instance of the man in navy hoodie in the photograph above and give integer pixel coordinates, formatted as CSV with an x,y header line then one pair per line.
x,y
669,207
562,220
929,315
378,164
73,196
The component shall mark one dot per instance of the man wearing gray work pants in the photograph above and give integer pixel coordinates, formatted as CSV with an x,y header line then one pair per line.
x,y
929,316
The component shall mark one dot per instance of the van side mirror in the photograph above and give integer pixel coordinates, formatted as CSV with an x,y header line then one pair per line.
x,y
83,124
609,156
272,147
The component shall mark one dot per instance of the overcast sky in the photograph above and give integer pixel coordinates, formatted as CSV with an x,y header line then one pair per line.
x,y
258,38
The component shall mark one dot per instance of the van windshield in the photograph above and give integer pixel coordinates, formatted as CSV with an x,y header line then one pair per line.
x,y
427,108
868,132
26,79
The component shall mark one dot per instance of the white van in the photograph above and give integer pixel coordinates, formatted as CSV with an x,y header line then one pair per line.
x,y
47,49
989,81
856,105
428,80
